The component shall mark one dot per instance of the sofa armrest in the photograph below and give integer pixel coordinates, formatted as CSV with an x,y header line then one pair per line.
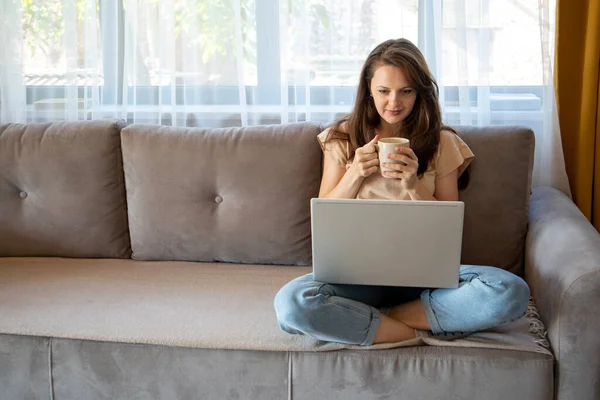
x,y
562,268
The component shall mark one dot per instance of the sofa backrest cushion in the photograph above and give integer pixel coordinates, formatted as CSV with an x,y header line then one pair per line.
x,y
62,191
232,195
497,197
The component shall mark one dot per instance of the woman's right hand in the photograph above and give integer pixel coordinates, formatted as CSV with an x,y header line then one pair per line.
x,y
366,159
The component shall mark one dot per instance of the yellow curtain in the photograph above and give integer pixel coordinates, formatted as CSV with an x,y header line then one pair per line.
x,y
577,82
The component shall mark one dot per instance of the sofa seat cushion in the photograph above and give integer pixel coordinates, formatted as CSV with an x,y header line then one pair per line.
x,y
199,305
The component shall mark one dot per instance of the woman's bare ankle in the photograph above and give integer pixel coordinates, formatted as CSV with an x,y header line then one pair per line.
x,y
392,331
410,314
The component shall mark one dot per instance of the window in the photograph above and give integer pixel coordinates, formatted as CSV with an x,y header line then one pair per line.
x,y
239,62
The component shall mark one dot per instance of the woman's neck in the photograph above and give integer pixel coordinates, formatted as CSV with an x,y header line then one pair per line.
x,y
385,130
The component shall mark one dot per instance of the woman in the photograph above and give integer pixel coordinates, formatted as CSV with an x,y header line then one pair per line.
x,y
397,96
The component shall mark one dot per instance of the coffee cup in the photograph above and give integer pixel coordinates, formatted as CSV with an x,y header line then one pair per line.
x,y
387,146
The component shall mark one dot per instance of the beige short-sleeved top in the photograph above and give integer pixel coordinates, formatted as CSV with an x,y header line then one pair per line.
x,y
453,153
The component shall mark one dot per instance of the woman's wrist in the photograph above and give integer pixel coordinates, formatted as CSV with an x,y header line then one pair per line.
x,y
348,186
354,174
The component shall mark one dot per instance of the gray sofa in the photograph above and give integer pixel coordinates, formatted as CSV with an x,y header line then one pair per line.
x,y
141,262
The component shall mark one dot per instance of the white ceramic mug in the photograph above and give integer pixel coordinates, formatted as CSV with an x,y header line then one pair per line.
x,y
387,146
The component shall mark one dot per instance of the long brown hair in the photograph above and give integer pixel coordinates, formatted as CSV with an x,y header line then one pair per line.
x,y
422,126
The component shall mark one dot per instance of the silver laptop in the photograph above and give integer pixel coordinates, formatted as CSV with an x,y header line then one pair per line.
x,y
387,242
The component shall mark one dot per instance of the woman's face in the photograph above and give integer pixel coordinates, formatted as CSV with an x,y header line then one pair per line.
x,y
393,96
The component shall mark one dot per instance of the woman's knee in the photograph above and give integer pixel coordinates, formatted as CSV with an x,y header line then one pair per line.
x,y
511,294
292,303
518,294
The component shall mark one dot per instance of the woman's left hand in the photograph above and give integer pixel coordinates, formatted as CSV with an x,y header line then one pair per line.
x,y
406,169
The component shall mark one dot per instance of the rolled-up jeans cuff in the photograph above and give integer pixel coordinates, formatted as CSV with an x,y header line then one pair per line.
x,y
431,317
375,321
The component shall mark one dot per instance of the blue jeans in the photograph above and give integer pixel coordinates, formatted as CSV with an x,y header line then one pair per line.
x,y
486,297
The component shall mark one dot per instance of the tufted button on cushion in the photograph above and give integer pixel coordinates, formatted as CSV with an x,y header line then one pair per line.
x,y
23,195
218,199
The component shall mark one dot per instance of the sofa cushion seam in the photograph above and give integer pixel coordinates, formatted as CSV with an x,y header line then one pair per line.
x,y
50,368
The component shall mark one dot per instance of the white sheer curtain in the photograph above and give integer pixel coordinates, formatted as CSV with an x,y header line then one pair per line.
x,y
494,63
219,63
